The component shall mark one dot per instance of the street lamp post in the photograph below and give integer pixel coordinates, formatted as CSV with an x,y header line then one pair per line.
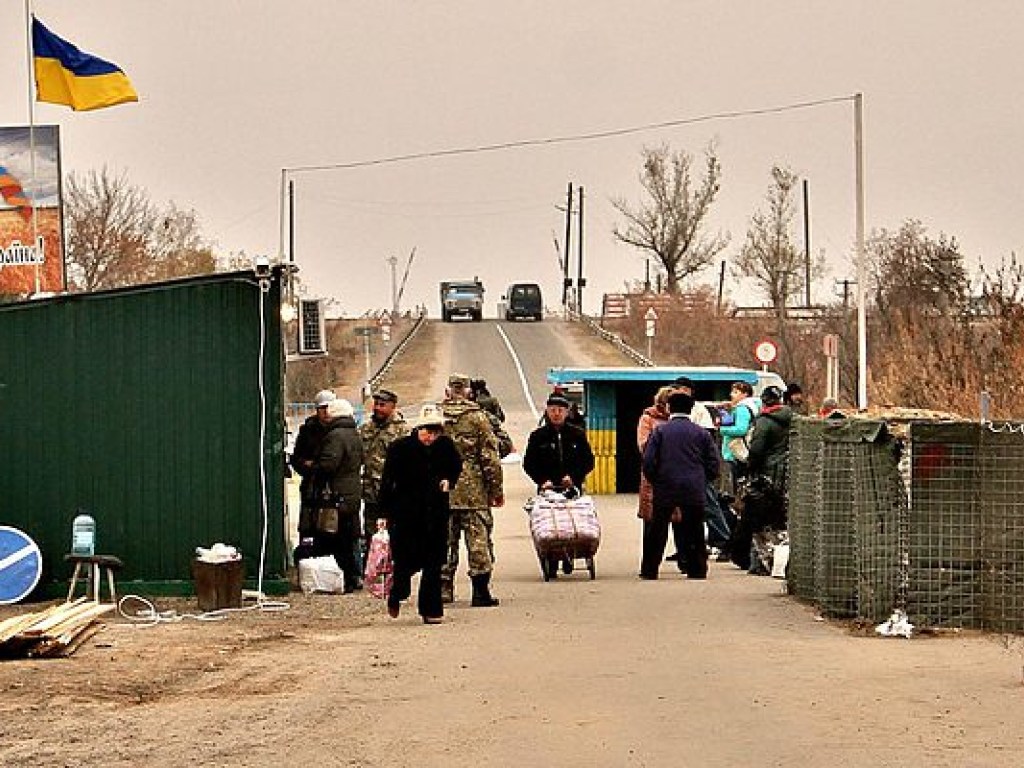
x,y
862,332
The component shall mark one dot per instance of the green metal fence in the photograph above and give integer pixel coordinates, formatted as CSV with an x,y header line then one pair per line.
x,y
143,406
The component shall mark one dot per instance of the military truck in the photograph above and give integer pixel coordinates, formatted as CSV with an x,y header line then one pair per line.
x,y
462,297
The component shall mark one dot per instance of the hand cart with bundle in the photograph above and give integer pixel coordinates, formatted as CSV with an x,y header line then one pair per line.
x,y
563,530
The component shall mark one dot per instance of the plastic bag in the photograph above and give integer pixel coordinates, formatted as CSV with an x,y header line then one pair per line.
x,y
321,574
379,567
739,448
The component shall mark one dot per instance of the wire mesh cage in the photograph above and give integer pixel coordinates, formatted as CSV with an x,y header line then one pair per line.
x,y
880,508
804,484
1002,470
944,547
931,522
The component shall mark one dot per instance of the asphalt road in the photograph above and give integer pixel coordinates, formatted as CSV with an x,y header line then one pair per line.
x,y
514,358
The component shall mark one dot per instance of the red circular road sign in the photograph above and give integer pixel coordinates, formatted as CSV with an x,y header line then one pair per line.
x,y
766,352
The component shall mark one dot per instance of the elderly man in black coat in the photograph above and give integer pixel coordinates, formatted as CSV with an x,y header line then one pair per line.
x,y
419,471
680,459
558,456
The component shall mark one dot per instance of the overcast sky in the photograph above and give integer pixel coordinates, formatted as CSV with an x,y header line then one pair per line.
x,y
233,91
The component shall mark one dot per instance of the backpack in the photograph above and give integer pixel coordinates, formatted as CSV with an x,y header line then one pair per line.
x,y
505,446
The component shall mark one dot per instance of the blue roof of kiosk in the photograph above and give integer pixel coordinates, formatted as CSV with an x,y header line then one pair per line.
x,y
664,373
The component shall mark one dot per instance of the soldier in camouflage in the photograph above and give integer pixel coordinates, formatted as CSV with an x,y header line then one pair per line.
x,y
505,447
479,488
384,426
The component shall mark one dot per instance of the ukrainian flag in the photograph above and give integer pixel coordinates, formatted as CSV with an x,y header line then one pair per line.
x,y
66,75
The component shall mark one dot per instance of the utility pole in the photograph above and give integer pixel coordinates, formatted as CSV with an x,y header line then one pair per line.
x,y
721,288
581,281
566,280
845,283
291,242
366,354
393,261
807,247
862,322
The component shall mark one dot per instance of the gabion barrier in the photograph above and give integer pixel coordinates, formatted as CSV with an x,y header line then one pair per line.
x,y
930,521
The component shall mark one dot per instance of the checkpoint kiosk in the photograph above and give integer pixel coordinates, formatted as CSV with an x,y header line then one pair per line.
x,y
612,399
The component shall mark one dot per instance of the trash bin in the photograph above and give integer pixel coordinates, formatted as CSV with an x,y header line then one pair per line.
x,y
218,585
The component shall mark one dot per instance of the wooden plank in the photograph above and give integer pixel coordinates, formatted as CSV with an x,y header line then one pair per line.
x,y
82,639
54,648
76,623
53,644
26,620
14,621
57,618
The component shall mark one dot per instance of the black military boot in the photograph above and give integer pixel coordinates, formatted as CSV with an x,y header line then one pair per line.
x,y
482,597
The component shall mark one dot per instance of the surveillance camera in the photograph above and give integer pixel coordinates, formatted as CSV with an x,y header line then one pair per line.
x,y
262,266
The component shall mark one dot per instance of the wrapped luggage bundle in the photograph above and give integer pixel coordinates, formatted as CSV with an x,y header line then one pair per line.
x,y
564,529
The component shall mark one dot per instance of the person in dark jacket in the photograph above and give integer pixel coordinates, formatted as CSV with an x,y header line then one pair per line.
x,y
764,501
303,456
558,456
419,471
338,484
769,440
679,461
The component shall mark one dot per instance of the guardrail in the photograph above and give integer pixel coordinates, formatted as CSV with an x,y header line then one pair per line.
x,y
389,361
613,338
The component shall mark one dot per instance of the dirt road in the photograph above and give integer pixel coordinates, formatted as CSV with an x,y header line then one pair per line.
x,y
611,672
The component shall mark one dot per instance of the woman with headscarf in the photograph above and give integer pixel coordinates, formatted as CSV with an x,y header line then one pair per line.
x,y
419,471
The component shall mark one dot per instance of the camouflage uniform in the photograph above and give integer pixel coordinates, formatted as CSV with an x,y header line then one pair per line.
x,y
479,483
376,440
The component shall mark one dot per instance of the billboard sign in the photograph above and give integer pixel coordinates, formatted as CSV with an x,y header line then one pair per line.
x,y
31,241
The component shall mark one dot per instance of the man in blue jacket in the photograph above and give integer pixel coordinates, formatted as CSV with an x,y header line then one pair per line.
x,y
679,461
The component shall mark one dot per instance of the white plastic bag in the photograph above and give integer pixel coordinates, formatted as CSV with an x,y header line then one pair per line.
x,y
321,574
780,560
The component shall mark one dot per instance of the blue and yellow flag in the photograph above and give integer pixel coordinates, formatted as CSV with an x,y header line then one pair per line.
x,y
66,75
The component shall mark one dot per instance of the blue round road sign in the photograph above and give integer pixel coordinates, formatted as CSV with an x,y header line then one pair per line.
x,y
21,565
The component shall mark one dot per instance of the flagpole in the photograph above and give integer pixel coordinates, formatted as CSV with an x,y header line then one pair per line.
x,y
32,140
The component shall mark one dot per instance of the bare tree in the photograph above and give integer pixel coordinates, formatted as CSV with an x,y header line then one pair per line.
x,y
108,224
116,236
769,255
669,222
912,272
177,246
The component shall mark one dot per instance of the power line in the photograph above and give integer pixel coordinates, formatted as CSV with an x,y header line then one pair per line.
x,y
593,136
